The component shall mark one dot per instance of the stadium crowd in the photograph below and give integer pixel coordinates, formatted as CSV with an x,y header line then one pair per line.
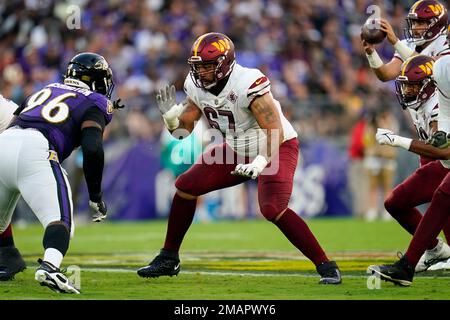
x,y
310,50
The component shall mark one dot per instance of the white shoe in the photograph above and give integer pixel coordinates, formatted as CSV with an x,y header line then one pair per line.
x,y
439,253
50,276
371,215
443,265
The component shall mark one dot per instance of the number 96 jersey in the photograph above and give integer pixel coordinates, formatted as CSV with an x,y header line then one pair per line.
x,y
57,111
230,111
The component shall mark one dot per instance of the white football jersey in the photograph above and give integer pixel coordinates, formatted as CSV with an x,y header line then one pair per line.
x,y
438,46
229,112
7,108
422,117
441,74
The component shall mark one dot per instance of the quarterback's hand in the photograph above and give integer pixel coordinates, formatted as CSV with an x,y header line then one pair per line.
x,y
99,210
167,105
390,34
387,137
251,170
439,139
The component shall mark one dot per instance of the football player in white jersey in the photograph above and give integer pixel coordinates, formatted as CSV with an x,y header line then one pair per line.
x,y
262,143
438,213
426,34
11,261
417,93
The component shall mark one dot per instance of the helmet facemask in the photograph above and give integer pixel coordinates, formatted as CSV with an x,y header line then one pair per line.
x,y
425,35
201,71
412,94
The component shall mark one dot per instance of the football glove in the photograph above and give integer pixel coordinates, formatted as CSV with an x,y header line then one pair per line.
x,y
251,170
387,137
117,105
167,105
439,140
99,210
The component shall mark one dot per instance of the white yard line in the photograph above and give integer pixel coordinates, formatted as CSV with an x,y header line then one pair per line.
x,y
222,273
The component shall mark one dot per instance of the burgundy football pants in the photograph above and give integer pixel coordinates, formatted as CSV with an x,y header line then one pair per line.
x,y
417,189
274,191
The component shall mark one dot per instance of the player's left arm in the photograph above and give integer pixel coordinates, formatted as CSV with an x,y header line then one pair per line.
x,y
266,114
92,128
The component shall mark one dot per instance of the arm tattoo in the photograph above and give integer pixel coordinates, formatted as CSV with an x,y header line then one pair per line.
x,y
267,112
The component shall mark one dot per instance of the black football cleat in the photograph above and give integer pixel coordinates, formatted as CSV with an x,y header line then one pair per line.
x,y
329,273
400,273
167,263
11,262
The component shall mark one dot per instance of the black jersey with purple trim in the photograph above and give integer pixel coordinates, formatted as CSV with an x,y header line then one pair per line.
x,y
57,111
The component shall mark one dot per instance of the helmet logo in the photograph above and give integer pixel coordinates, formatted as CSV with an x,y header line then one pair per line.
x,y
101,64
436,8
222,45
427,68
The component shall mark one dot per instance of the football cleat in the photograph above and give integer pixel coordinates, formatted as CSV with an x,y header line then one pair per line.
x,y
50,276
400,273
167,263
329,273
11,262
439,253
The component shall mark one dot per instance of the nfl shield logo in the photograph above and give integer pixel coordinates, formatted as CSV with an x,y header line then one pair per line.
x,y
232,97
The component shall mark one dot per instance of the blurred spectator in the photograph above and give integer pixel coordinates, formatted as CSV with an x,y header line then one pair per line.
x,y
357,174
380,163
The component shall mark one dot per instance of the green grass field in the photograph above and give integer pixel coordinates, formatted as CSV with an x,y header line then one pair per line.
x,y
226,260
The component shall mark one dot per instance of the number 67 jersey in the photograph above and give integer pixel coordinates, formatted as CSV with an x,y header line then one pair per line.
x,y
57,111
230,111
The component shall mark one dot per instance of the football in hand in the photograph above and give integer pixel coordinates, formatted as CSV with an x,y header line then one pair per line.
x,y
371,32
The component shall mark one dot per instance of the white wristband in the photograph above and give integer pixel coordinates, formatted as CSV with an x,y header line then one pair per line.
x,y
260,162
403,142
171,117
403,50
374,59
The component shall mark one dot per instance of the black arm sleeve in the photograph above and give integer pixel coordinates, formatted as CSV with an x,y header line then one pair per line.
x,y
94,114
93,159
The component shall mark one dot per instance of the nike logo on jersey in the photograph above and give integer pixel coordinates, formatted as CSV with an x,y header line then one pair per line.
x,y
258,82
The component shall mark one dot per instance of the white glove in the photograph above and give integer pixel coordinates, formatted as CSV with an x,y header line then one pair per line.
x,y
387,137
251,170
167,104
99,210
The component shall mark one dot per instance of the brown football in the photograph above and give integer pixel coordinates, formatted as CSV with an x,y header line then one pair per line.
x,y
371,33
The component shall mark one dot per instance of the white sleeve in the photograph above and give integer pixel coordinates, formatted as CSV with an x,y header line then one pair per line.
x,y
255,86
191,90
7,108
409,45
441,74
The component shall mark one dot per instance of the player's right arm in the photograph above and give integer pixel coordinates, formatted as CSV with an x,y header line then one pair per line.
x,y
387,71
436,148
177,116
